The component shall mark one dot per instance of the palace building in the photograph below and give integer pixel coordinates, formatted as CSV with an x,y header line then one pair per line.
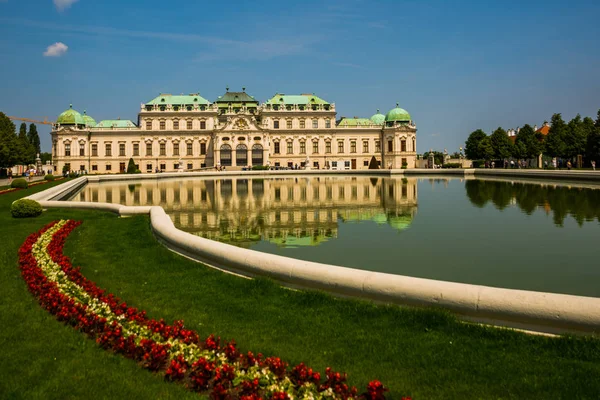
x,y
188,132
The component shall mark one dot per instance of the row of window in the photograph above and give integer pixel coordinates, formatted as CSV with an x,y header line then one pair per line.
x,y
162,125
315,147
136,149
302,124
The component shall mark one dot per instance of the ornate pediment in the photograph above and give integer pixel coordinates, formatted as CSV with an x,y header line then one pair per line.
x,y
241,124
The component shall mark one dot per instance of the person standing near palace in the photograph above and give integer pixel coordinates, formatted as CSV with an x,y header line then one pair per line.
x,y
593,165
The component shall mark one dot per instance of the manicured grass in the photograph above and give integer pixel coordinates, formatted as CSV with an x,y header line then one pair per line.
x,y
423,353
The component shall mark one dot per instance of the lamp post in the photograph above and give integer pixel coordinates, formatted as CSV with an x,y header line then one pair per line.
x,y
460,156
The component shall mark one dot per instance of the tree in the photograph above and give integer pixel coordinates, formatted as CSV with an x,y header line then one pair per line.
x,y
25,149
575,138
45,157
34,138
593,141
527,142
501,144
485,149
373,163
8,142
555,142
131,168
472,145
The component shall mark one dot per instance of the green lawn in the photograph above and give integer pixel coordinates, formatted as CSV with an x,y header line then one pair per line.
x,y
424,354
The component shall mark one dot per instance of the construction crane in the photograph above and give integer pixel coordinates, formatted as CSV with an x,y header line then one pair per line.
x,y
44,122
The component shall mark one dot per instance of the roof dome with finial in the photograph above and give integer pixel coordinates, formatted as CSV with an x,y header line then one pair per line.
x,y
70,117
378,118
89,121
397,115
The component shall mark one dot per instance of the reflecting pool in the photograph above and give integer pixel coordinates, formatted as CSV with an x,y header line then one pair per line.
x,y
513,234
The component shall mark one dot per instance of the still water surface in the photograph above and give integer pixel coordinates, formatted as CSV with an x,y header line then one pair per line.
x,y
513,234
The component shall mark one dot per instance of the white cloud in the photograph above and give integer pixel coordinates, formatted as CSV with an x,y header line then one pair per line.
x,y
56,50
62,5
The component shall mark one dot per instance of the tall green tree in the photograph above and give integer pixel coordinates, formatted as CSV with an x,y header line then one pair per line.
x,y
472,145
8,142
486,151
528,143
593,141
501,144
555,142
576,137
26,150
34,138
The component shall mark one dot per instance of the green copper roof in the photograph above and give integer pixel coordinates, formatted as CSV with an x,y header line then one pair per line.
x,y
378,118
397,114
166,99
355,122
300,99
70,117
116,123
89,121
236,97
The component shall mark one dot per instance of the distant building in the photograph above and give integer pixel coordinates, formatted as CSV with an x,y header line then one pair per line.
x,y
188,132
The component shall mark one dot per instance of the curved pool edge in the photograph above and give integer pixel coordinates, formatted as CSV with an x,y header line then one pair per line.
x,y
535,311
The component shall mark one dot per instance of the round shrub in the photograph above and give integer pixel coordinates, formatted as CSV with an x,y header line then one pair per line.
x,y
49,177
19,183
25,208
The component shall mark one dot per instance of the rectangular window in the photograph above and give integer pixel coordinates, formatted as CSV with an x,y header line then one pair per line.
x,y
328,147
190,166
365,146
302,147
377,146
346,164
149,150
315,123
81,149
202,124
315,147
163,125
136,149
122,149
94,168
289,147
340,146
175,149
403,145
67,149
276,149
94,150
302,124
288,124
175,124
202,149
148,125
149,167
189,149
163,167
163,149
189,125
108,149
327,123
390,146
108,167
353,146
275,124
366,163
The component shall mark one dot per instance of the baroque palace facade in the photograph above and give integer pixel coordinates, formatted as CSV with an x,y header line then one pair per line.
x,y
187,132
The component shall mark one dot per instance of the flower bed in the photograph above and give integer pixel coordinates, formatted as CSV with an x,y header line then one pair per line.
x,y
10,190
202,365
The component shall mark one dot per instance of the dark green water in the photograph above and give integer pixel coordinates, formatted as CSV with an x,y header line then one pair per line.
x,y
497,233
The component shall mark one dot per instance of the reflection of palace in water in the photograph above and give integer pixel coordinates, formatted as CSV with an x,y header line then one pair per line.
x,y
287,211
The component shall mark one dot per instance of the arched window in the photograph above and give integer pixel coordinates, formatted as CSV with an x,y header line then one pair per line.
x,y
414,144
257,154
226,155
241,155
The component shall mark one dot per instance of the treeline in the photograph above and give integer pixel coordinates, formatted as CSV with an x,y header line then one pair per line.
x,y
18,148
564,140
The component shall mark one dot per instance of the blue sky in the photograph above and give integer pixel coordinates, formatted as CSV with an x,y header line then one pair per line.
x,y
455,66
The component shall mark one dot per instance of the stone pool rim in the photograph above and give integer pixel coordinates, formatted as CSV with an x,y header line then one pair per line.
x,y
523,309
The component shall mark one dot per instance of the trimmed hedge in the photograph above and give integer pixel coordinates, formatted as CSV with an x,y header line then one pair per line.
x,y
259,167
25,208
19,183
451,165
49,177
